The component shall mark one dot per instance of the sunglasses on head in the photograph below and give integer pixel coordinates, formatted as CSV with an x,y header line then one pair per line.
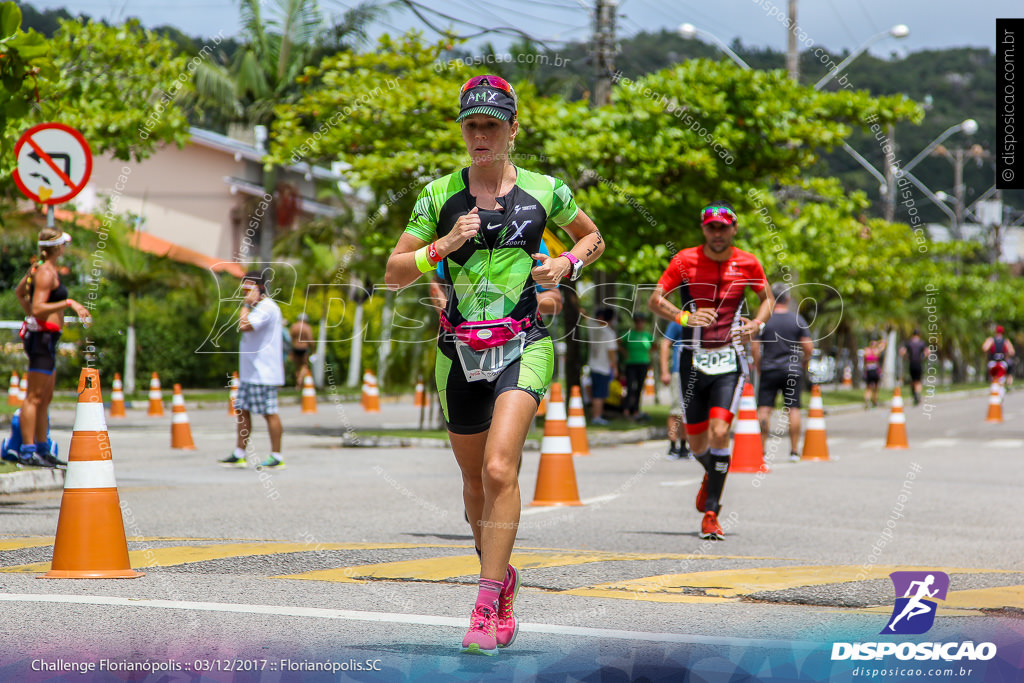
x,y
488,80
712,213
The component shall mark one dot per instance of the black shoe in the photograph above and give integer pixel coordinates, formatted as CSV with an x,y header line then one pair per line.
x,y
53,460
35,460
674,454
794,457
232,461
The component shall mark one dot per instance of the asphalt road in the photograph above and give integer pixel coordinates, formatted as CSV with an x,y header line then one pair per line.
x,y
359,557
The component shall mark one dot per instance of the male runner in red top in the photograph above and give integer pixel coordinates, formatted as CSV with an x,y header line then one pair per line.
x,y
711,280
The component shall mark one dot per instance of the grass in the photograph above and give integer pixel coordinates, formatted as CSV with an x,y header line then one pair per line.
x,y
7,467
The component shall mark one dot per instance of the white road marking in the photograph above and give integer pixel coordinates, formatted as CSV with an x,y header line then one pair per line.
x,y
585,501
1004,443
872,443
940,443
684,482
395,618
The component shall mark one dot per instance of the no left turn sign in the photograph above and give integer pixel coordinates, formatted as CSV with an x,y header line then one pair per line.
x,y
54,163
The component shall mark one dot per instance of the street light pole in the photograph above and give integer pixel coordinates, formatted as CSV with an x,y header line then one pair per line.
x,y
897,31
691,31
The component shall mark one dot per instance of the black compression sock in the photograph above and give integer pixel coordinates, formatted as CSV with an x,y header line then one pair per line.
x,y
716,477
704,459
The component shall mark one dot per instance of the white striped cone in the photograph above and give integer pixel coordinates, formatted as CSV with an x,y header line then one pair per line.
x,y
90,542
371,393
308,395
233,393
897,434
421,398
649,385
156,399
815,437
995,403
13,393
22,389
556,476
117,398
747,448
181,431
577,423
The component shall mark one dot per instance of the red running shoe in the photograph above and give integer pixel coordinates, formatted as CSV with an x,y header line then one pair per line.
x,y
710,528
702,494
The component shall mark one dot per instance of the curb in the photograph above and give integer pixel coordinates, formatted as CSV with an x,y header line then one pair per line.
x,y
36,479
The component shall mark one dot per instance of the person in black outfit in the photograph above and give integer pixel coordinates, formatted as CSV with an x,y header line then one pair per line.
x,y
913,349
781,354
43,297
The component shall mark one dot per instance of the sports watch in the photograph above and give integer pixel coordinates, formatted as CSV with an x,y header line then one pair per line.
x,y
577,266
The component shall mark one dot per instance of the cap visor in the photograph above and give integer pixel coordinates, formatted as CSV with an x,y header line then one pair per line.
x,y
490,111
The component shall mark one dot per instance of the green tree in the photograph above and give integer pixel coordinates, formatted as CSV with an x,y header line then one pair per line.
x,y
25,66
120,86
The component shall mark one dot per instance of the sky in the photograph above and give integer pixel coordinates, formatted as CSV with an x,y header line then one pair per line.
x,y
834,24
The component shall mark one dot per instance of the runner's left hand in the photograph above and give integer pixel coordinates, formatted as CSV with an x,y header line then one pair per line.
x,y
551,270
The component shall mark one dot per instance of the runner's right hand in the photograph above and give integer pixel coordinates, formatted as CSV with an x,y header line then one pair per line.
x,y
465,229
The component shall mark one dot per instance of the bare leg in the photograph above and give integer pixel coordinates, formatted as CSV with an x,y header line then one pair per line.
x,y
243,428
764,418
794,429
495,466
275,429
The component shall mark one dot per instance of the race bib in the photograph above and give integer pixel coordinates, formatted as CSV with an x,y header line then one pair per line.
x,y
717,362
487,364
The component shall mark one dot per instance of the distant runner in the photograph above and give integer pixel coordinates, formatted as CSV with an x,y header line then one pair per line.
x,y
711,280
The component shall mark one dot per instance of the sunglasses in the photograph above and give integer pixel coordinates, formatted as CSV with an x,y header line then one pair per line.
x,y
488,80
713,213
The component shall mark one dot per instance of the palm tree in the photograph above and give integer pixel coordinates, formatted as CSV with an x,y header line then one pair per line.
x,y
281,38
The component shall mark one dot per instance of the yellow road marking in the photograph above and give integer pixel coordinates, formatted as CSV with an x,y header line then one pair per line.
x,y
733,583
166,557
985,598
444,568
31,542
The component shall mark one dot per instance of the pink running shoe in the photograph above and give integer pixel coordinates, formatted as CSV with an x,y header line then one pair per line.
x,y
508,626
481,639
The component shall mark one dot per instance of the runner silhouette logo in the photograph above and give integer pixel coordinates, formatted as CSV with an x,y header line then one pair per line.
x,y
914,612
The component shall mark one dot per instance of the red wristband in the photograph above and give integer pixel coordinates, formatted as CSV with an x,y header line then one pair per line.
x,y
432,253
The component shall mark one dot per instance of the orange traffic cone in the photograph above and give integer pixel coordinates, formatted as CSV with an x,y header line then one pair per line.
x,y
371,393
308,395
156,399
542,409
181,431
12,392
995,404
421,397
577,423
649,386
897,436
847,377
815,439
117,398
90,541
233,393
747,449
556,476
22,389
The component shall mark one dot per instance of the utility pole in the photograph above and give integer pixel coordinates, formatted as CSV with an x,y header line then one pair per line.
x,y
792,55
604,51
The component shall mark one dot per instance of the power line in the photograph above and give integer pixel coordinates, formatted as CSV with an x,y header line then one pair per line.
x,y
864,10
835,10
416,8
524,14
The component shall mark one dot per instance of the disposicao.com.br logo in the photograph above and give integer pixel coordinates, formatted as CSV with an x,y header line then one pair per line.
x,y
914,614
